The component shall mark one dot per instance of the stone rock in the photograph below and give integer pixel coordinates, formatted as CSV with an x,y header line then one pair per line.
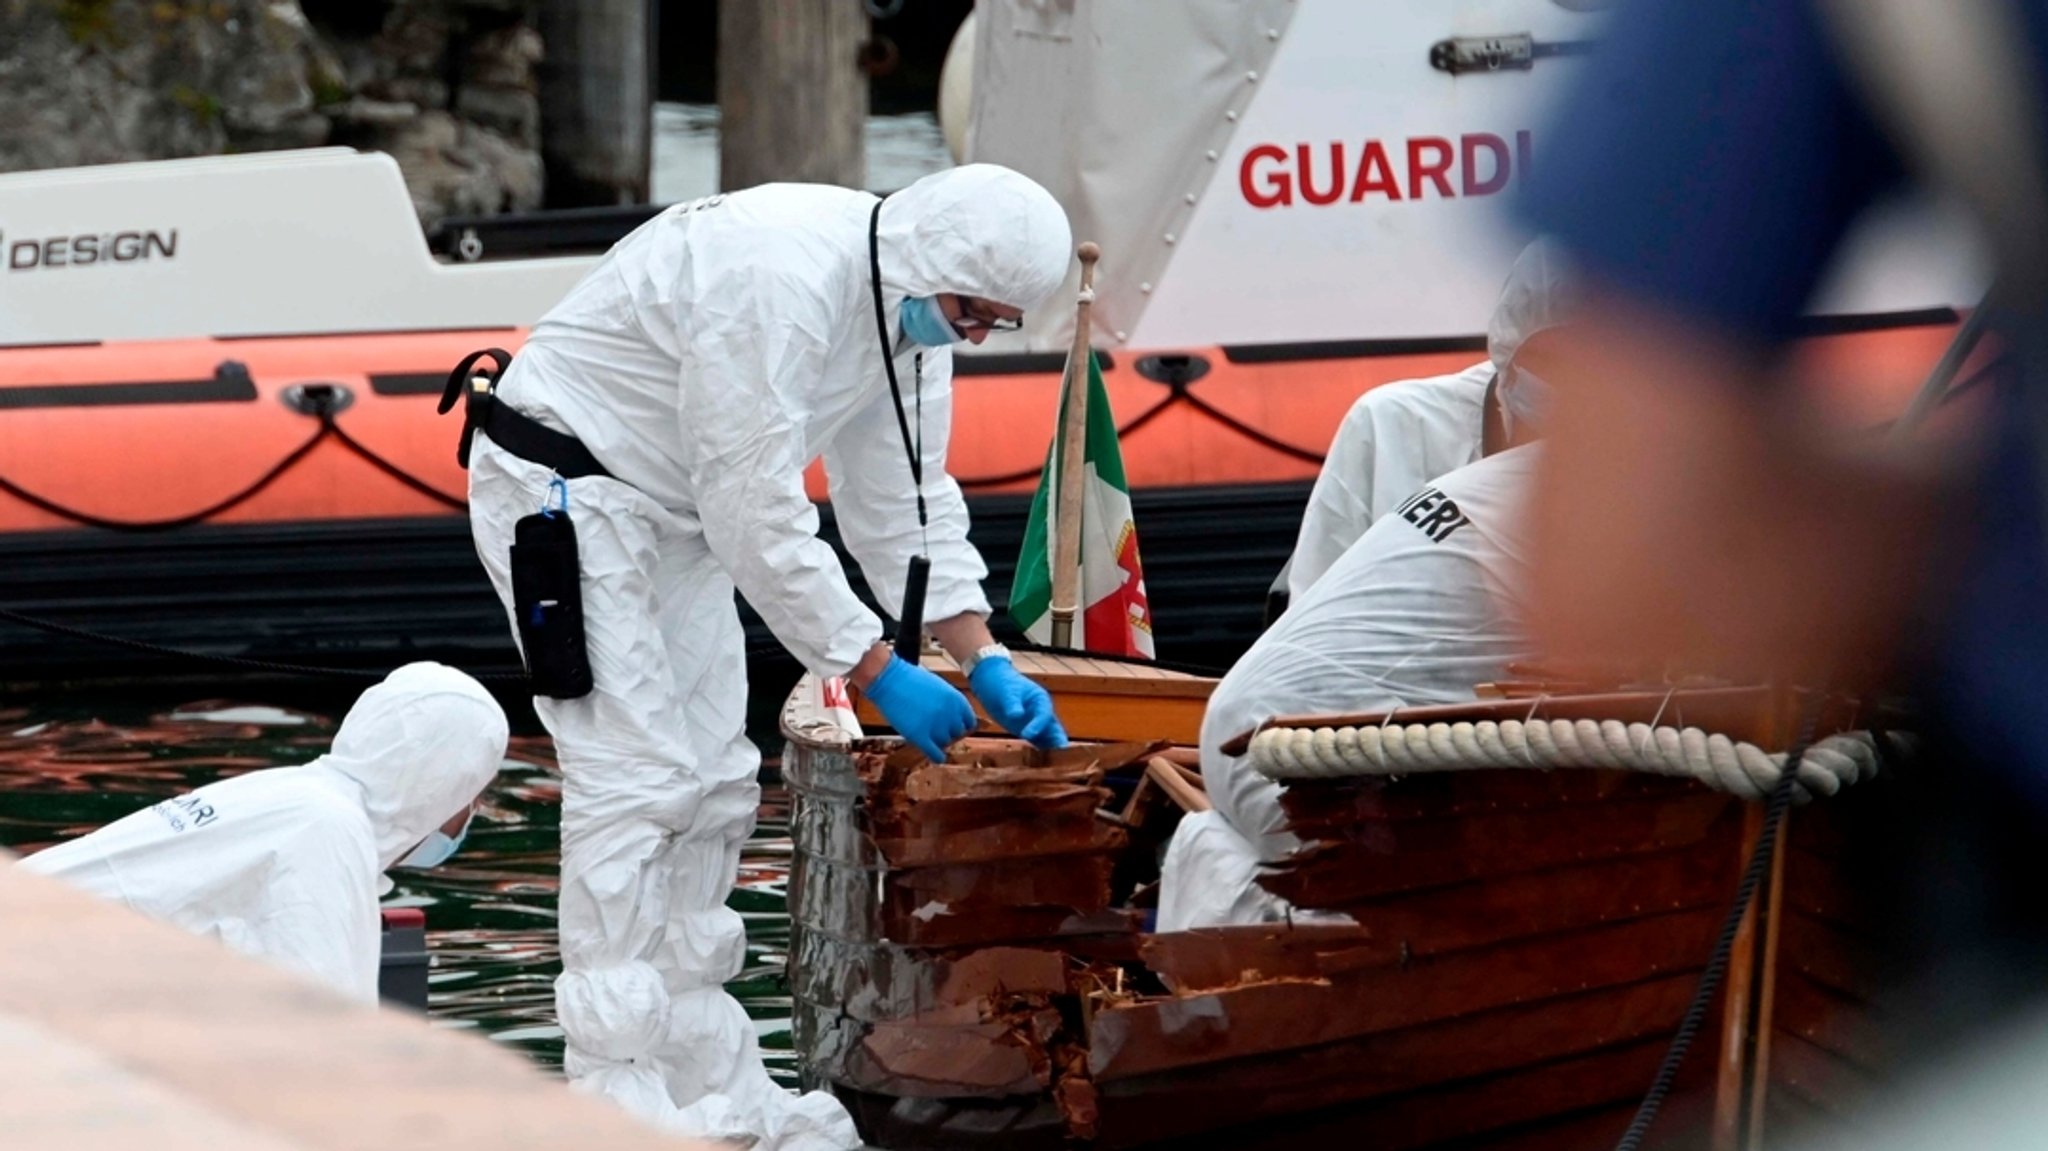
x,y
516,169
110,80
505,57
415,39
457,169
426,91
306,130
511,112
101,81
326,75
363,112
264,96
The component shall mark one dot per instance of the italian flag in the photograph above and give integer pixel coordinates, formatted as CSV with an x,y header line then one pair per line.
x,y
1114,616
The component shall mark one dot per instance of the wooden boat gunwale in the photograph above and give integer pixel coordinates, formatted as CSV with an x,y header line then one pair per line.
x,y
1301,968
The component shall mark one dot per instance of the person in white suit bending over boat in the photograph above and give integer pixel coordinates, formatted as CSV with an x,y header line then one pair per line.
x,y
668,407
1399,436
286,864
1426,605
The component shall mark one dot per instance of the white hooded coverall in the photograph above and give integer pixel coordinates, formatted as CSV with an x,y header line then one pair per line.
x,y
286,864
1399,436
1425,606
1396,438
705,362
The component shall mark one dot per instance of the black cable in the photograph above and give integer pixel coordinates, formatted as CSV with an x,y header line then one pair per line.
x,y
185,521
1717,962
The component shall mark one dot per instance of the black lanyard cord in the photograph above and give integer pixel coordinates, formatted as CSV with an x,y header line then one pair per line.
x,y
913,449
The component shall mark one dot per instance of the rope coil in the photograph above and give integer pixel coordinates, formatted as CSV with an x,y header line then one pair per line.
x,y
1715,760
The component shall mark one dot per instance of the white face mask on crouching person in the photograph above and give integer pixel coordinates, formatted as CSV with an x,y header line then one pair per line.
x,y
438,847
1525,399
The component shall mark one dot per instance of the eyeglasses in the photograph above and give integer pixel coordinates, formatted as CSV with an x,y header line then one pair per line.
x,y
974,317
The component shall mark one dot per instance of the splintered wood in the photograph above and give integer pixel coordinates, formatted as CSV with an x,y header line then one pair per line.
x,y
1495,953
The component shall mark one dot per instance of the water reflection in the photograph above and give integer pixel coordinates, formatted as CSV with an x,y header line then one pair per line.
x,y
66,769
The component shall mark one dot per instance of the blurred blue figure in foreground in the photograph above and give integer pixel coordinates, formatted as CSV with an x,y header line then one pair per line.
x,y
1702,174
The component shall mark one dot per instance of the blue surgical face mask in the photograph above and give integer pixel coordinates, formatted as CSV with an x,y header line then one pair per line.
x,y
925,324
437,847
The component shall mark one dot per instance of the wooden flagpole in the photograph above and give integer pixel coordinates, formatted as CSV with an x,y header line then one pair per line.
x,y
1066,563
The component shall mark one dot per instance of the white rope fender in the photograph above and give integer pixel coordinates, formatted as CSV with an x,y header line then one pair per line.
x,y
1715,760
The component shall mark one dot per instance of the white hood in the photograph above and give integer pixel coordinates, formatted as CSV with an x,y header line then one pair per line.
x,y
421,745
979,230
285,864
1541,293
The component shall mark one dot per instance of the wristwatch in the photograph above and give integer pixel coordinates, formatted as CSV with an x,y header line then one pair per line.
x,y
991,651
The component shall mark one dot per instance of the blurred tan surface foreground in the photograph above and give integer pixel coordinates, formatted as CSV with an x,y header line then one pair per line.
x,y
118,1032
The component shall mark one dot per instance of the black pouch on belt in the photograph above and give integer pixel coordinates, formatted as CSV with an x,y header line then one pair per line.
x,y
547,595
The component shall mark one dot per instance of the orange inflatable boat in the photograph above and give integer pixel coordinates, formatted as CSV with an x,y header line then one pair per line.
x,y
183,462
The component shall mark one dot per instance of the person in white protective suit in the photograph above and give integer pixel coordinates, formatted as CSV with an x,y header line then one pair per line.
x,y
286,864
1399,436
709,358
1426,605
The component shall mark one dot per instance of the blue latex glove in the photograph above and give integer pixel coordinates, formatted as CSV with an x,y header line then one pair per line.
x,y
924,709
1013,700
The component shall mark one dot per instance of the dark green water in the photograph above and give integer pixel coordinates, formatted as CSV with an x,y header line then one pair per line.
x,y
69,767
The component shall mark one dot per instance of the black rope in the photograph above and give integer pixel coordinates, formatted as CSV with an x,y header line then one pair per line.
x,y
1717,962
328,427
1250,432
1033,473
1179,394
185,521
394,471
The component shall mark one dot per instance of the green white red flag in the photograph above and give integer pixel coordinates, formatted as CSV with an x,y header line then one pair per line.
x,y
1115,617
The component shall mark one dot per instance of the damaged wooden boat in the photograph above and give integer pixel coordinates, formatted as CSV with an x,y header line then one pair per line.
x,y
971,964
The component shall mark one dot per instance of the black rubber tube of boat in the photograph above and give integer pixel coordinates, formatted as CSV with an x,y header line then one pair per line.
x,y
1724,946
55,628
37,623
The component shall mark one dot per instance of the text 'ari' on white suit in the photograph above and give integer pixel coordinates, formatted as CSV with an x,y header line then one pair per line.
x,y
1425,606
705,362
286,864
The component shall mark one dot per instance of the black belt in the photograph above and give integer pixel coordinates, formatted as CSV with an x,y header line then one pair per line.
x,y
516,432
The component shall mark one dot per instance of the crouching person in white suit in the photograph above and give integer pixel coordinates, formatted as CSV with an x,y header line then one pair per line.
x,y
286,864
1425,606
1399,436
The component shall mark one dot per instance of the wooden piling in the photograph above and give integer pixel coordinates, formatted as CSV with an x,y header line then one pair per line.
x,y
792,99
597,101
